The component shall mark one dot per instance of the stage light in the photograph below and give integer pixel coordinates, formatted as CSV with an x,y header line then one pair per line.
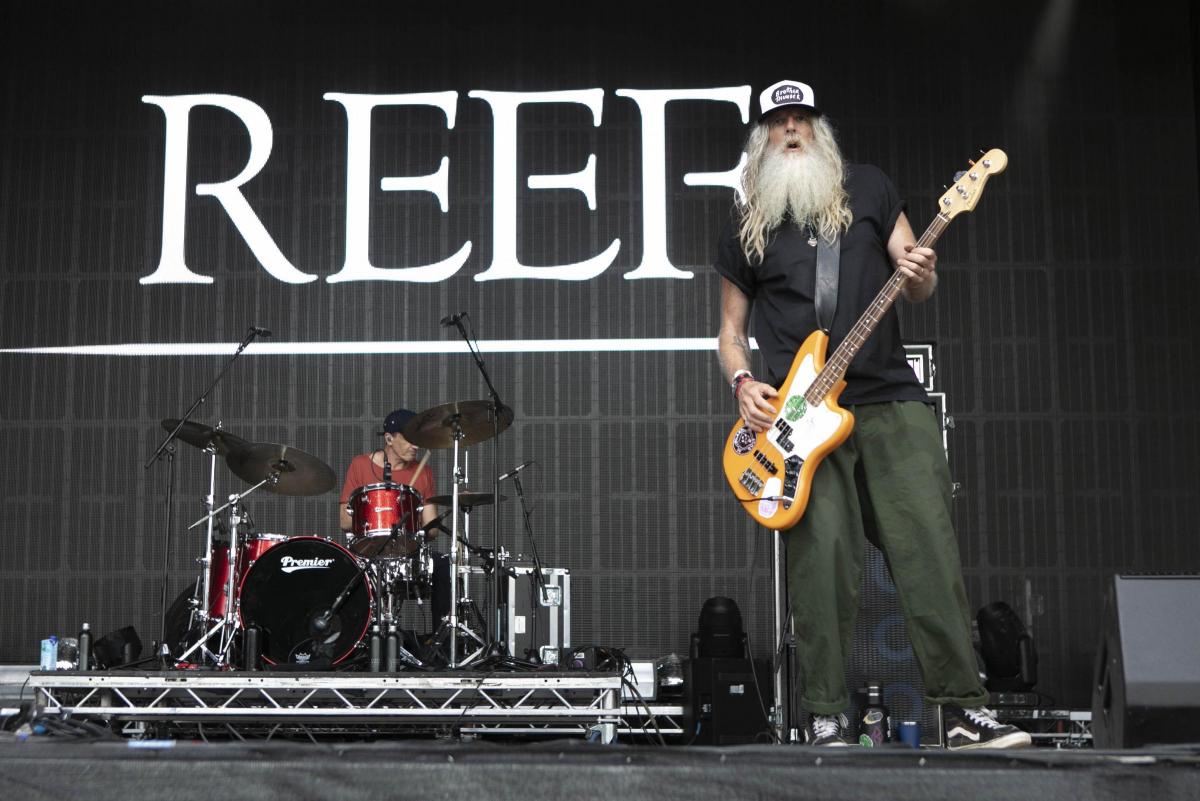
x,y
1009,654
720,630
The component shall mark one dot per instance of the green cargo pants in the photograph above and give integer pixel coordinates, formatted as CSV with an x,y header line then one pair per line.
x,y
889,482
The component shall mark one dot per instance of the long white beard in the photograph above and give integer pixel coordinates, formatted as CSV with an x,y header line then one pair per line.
x,y
805,184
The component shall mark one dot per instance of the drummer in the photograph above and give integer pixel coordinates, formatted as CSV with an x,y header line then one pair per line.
x,y
401,458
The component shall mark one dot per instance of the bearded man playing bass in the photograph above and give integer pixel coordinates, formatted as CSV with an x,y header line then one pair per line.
x,y
889,481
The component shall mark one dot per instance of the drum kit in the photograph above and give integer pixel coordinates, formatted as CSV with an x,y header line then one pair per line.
x,y
324,602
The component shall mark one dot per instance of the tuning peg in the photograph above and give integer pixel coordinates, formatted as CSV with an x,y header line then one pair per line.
x,y
971,162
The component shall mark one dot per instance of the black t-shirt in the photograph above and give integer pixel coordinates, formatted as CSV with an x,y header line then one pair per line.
x,y
781,290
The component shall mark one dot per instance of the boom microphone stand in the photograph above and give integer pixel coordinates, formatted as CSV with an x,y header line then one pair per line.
x,y
166,450
495,645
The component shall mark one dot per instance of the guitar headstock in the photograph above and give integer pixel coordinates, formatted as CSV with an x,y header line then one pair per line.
x,y
968,184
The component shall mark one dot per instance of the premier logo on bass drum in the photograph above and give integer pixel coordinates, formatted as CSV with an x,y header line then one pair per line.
x,y
290,564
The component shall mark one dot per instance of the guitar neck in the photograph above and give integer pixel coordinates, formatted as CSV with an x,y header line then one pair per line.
x,y
837,364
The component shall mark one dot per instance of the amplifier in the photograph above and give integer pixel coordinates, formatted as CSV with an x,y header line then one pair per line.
x,y
729,701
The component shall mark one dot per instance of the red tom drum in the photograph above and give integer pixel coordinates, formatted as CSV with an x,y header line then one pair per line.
x,y
374,509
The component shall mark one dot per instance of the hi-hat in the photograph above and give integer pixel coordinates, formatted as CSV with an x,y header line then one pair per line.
x,y
466,499
201,436
300,473
469,421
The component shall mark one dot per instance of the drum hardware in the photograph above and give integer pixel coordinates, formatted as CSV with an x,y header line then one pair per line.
x,y
429,427
232,503
224,595
221,607
166,450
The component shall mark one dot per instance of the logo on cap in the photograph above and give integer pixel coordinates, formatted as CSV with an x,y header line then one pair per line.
x,y
788,93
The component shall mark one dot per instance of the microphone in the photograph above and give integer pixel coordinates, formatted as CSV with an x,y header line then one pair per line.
x,y
319,624
387,469
259,332
516,470
452,319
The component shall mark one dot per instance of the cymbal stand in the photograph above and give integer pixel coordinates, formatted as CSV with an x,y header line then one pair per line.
x,y
453,626
228,624
201,603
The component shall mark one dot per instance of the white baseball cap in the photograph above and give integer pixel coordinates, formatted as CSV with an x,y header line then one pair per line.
x,y
786,93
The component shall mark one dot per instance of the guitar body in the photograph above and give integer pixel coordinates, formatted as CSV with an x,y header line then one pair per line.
x,y
782,460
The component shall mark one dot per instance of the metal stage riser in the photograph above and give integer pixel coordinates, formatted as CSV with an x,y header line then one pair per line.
x,y
575,702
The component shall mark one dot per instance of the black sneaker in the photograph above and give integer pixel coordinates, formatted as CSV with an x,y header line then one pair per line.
x,y
978,728
826,730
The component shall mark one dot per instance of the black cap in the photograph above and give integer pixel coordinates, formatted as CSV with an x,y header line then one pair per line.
x,y
397,420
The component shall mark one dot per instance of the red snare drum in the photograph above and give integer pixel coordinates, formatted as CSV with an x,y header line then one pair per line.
x,y
374,509
294,585
218,568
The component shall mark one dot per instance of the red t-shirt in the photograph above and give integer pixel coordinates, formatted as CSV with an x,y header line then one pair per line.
x,y
363,471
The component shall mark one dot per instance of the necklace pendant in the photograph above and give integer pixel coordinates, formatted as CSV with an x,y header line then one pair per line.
x,y
812,241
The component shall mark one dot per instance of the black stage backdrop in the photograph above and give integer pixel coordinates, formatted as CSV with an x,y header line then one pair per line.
x,y
1061,329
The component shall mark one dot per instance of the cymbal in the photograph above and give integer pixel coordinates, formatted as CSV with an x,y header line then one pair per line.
x,y
435,427
300,473
201,436
466,498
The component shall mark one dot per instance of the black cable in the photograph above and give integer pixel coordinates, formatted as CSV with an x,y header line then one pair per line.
x,y
758,691
646,706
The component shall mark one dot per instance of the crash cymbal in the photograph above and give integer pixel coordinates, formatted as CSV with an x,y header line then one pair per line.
x,y
436,427
466,498
300,473
201,436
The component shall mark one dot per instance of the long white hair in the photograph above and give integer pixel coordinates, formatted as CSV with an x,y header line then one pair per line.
x,y
808,185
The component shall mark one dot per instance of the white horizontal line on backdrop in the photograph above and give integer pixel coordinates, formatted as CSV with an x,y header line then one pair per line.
x,y
353,348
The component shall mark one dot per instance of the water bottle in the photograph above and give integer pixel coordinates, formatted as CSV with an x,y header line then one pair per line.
x,y
49,657
85,647
874,729
373,659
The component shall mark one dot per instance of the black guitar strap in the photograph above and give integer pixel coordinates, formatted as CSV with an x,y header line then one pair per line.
x,y
828,257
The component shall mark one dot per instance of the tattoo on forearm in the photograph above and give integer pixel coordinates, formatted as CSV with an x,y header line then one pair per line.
x,y
728,358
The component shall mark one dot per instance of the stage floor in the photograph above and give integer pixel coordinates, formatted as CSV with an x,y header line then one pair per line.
x,y
575,769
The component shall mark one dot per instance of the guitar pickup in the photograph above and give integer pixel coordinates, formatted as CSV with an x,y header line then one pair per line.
x,y
762,459
751,481
784,440
791,478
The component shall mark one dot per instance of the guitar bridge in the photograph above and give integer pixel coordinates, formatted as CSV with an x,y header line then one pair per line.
x,y
751,481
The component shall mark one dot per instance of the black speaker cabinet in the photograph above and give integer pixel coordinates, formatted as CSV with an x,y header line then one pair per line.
x,y
1147,678
728,702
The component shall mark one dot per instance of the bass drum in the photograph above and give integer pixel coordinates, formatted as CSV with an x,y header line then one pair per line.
x,y
289,593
